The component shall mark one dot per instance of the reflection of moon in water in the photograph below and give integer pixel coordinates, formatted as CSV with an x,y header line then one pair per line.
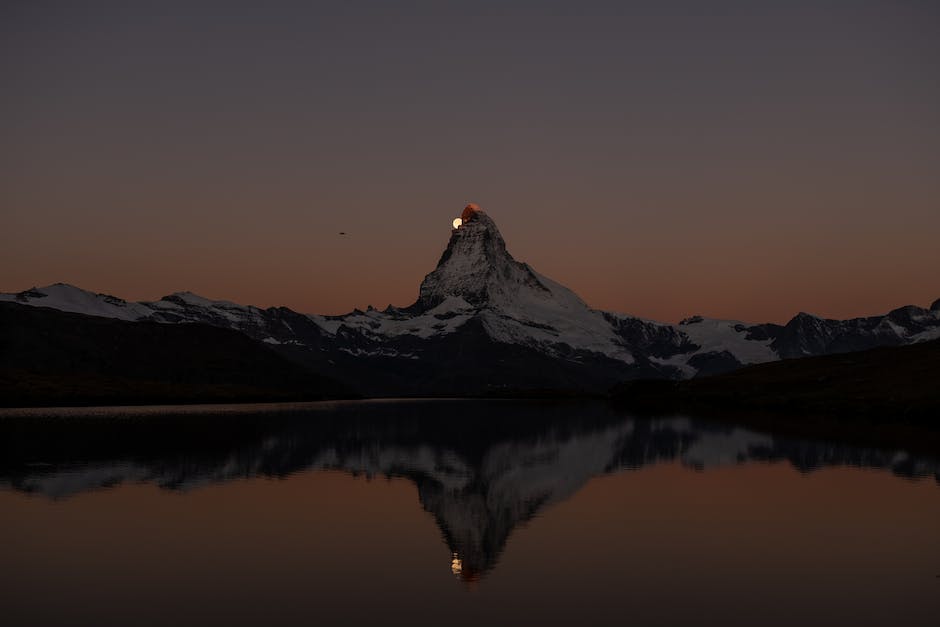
x,y
457,222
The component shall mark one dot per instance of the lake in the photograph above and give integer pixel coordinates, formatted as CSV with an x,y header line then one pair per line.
x,y
454,513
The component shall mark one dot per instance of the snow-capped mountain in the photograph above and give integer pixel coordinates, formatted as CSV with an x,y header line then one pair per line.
x,y
477,277
484,322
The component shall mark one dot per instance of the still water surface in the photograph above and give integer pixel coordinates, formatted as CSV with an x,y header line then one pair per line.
x,y
453,513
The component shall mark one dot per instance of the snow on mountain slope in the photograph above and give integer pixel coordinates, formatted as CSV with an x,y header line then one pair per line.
x,y
553,319
733,336
516,304
72,299
189,307
442,319
926,336
477,267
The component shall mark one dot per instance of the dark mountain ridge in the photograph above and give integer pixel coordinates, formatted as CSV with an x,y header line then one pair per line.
x,y
884,390
50,357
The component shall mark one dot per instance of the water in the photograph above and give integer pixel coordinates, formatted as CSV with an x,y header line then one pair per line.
x,y
454,513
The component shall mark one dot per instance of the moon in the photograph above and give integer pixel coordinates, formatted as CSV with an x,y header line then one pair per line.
x,y
457,222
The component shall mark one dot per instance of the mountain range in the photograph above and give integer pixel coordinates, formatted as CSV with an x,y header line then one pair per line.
x,y
484,323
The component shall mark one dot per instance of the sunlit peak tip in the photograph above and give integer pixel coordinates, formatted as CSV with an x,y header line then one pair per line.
x,y
469,211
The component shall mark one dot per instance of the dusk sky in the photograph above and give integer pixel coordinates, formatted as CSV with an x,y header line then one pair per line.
x,y
745,159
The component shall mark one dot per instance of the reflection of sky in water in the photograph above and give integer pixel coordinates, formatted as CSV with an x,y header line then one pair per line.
x,y
560,503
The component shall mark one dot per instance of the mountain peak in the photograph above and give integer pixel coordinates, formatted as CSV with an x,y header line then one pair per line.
x,y
470,211
67,297
476,266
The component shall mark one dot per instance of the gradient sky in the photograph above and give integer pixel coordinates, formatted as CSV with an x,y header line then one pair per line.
x,y
734,159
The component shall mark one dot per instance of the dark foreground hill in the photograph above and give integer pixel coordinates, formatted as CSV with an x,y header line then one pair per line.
x,y
883,385
49,357
882,397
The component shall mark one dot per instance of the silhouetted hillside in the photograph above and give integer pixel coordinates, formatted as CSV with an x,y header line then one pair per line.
x,y
49,357
897,384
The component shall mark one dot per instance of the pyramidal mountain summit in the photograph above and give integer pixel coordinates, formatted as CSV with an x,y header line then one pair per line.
x,y
485,323
477,276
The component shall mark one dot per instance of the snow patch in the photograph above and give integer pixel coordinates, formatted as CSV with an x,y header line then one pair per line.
x,y
72,299
712,335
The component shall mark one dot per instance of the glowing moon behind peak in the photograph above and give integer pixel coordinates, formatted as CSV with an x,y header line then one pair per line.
x,y
457,222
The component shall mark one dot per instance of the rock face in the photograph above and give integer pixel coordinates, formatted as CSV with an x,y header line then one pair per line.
x,y
477,268
477,277
485,323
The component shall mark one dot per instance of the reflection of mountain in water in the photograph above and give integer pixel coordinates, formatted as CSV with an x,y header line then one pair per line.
x,y
481,468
